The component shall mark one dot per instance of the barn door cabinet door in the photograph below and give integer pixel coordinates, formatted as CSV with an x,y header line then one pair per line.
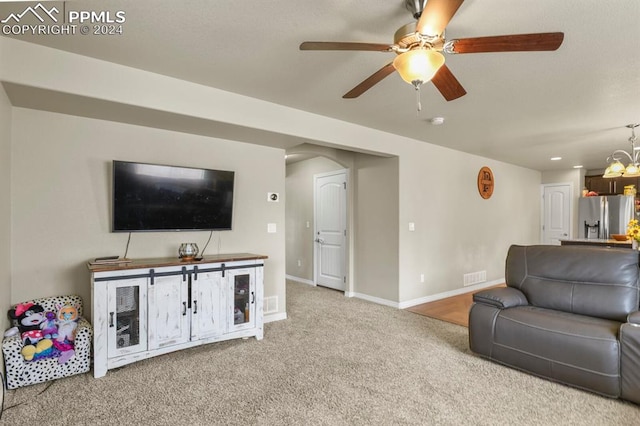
x,y
242,310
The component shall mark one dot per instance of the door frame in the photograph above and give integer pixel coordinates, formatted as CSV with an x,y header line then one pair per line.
x,y
346,240
543,209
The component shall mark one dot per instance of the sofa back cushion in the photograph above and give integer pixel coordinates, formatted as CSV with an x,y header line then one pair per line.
x,y
594,281
51,303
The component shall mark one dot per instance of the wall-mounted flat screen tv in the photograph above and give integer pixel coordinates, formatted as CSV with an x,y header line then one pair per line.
x,y
153,197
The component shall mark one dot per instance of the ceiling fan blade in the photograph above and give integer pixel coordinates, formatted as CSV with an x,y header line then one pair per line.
x,y
436,15
372,80
448,84
509,43
338,45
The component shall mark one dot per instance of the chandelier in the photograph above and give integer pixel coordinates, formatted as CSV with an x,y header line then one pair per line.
x,y
616,168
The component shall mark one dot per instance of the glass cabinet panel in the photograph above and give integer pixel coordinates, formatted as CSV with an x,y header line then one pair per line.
x,y
242,299
127,317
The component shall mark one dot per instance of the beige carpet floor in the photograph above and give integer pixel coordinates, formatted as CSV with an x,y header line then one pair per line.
x,y
334,361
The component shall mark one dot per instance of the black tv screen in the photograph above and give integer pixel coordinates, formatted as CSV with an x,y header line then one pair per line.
x,y
152,197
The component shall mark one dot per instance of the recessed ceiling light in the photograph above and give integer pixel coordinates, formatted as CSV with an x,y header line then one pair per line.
x,y
436,121
556,158
578,166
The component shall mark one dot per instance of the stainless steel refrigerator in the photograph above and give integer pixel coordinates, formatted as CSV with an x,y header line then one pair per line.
x,y
599,217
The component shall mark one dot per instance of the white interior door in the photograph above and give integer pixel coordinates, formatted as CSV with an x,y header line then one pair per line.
x,y
556,215
330,194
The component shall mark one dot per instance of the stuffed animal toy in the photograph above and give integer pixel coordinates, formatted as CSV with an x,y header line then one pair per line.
x,y
49,327
28,317
66,351
67,323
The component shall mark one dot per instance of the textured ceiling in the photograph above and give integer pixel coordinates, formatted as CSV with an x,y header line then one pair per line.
x,y
521,108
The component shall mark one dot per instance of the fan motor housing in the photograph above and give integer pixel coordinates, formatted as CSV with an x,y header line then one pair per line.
x,y
407,37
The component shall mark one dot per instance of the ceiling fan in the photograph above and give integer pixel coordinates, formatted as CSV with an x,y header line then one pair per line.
x,y
419,46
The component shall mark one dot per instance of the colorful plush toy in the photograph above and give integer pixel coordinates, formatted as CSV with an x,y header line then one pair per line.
x,y
49,327
28,317
67,323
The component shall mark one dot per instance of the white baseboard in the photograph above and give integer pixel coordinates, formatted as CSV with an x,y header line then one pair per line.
x,y
373,299
409,303
456,292
300,280
275,317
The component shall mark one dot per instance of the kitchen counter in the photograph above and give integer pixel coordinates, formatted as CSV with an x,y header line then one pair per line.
x,y
596,242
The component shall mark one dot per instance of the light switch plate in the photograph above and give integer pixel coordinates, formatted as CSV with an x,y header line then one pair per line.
x,y
271,228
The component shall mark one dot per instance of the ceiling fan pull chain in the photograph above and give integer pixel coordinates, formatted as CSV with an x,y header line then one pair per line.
x,y
418,100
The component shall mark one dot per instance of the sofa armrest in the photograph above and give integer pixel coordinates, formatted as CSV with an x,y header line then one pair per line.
x,y
634,317
503,297
630,358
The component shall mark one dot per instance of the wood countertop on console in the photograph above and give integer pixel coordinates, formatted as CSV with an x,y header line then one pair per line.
x,y
596,242
171,261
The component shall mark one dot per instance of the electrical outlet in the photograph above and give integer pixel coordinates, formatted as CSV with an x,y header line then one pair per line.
x,y
299,263
421,278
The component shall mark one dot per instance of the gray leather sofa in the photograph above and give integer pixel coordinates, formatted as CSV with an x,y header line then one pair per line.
x,y
569,314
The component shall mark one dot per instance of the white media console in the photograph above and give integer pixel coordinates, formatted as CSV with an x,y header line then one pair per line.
x,y
149,307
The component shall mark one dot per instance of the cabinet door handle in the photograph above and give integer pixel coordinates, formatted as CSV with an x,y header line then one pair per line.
x,y
195,306
184,308
110,319
253,298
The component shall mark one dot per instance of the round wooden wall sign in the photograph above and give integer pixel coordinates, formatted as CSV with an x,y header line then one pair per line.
x,y
485,182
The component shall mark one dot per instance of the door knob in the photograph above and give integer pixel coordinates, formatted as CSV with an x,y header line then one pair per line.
x,y
319,240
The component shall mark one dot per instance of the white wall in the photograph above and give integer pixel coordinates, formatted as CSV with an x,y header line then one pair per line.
x,y
5,209
62,196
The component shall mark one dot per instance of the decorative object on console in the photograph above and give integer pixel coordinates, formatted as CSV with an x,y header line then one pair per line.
x,y
188,251
616,168
620,237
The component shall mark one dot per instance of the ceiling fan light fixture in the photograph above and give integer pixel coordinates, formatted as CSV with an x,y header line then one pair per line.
x,y
418,66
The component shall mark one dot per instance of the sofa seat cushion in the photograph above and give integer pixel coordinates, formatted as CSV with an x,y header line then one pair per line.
x,y
573,349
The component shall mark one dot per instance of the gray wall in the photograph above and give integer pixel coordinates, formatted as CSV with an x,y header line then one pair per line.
x,y
5,209
376,234
62,197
